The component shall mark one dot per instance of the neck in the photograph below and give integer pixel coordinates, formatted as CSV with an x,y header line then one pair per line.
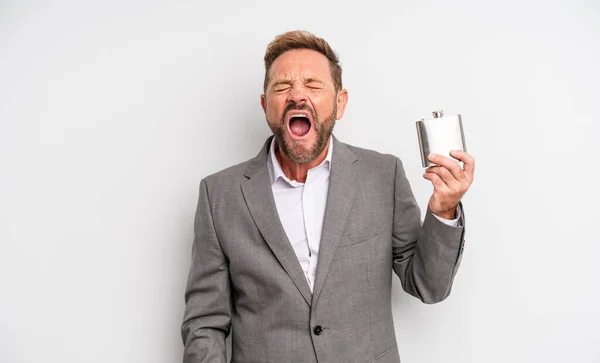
x,y
295,171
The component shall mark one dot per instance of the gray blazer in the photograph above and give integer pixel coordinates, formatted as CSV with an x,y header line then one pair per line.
x,y
246,279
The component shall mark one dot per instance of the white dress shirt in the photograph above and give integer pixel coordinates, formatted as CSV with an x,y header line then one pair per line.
x,y
301,208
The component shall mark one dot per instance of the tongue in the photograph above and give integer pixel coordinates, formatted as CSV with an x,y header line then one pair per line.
x,y
299,126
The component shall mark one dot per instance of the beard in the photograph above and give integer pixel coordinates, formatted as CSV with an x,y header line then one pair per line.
x,y
296,152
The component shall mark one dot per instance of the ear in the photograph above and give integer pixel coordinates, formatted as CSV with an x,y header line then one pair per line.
x,y
263,102
342,101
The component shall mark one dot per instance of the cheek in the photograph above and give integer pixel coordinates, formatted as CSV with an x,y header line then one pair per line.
x,y
325,108
274,110
272,114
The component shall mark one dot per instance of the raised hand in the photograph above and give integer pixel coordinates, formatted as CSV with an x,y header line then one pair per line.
x,y
450,182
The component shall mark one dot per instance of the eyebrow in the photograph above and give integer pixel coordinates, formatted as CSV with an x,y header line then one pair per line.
x,y
311,79
282,81
289,81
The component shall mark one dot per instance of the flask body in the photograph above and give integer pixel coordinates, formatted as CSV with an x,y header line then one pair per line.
x,y
440,135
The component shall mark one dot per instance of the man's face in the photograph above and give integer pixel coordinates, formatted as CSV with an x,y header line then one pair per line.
x,y
301,104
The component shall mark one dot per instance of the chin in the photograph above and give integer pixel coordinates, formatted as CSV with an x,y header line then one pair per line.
x,y
307,145
300,151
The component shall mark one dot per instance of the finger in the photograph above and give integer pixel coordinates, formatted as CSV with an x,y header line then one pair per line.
x,y
468,161
450,164
438,183
445,175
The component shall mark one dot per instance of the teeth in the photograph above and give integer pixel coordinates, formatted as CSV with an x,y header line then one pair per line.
x,y
298,115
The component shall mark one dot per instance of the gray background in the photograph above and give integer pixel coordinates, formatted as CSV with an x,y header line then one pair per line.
x,y
112,111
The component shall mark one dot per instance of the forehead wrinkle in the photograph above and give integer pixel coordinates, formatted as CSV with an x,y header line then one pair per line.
x,y
288,79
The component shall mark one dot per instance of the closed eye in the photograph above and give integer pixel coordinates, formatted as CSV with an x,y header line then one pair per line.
x,y
281,88
314,85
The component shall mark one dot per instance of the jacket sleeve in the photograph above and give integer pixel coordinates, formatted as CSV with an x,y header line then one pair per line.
x,y
207,316
426,257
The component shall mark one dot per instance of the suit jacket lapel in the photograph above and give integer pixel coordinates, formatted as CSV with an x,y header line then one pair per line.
x,y
342,188
261,203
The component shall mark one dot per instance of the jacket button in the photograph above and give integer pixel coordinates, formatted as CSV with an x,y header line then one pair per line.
x,y
318,330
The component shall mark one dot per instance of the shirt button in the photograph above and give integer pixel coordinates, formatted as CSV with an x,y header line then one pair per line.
x,y
318,330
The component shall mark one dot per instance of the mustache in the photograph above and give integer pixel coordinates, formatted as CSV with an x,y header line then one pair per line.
x,y
296,107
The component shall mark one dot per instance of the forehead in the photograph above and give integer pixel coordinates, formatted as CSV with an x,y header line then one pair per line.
x,y
301,63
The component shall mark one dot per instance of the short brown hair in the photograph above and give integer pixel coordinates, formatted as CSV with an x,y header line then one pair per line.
x,y
299,39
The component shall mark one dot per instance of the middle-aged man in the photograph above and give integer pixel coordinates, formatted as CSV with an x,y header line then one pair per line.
x,y
294,249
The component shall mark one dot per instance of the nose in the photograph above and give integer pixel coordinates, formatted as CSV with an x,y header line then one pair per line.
x,y
297,95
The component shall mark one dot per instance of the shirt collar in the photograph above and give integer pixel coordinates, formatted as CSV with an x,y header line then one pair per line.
x,y
275,171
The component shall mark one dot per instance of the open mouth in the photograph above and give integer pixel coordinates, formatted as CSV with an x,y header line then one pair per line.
x,y
299,123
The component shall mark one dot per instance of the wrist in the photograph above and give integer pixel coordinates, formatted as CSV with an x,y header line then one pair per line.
x,y
447,214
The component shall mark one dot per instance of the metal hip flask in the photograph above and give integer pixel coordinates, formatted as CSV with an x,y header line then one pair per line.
x,y
440,135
